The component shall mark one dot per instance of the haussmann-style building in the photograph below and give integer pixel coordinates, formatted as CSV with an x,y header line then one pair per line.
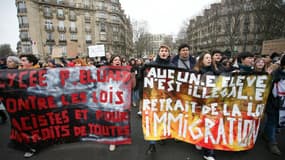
x,y
237,25
54,28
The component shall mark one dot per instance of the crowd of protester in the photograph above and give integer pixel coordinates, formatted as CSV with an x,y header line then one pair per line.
x,y
214,62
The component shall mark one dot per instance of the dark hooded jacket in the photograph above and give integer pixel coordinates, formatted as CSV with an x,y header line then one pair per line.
x,y
191,59
162,62
271,104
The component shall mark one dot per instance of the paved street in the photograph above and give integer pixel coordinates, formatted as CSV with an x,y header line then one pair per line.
x,y
136,151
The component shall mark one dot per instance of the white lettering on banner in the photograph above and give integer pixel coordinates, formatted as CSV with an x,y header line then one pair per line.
x,y
192,128
236,111
258,111
260,82
214,108
259,94
162,84
147,123
156,120
209,124
240,80
171,119
221,132
231,129
165,105
219,110
161,73
209,81
148,82
250,81
182,77
230,87
195,79
245,134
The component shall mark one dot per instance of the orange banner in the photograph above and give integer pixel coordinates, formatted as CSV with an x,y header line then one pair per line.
x,y
216,112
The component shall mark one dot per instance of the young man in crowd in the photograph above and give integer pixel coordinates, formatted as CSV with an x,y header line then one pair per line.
x,y
29,61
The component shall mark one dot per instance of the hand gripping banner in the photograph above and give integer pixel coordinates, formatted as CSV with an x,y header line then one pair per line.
x,y
48,106
216,112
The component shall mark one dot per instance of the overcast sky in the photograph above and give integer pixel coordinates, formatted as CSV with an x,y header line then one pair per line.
x,y
9,30
163,16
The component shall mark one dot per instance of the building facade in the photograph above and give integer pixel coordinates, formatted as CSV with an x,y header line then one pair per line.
x,y
160,39
55,28
148,44
236,26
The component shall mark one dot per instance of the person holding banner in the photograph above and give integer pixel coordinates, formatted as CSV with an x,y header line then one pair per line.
x,y
116,60
138,89
204,66
80,62
3,115
217,61
245,62
184,60
272,109
29,61
132,63
162,59
259,65
104,60
12,62
139,80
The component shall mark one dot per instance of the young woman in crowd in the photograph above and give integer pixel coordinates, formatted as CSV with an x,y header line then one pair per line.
x,y
204,66
217,61
138,90
245,62
259,65
116,60
132,63
12,62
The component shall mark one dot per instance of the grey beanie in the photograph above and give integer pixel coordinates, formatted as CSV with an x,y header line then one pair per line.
x,y
14,59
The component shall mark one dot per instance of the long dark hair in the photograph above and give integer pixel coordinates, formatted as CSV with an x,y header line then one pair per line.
x,y
199,63
113,57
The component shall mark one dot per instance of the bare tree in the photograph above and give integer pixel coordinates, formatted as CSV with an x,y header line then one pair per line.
x,y
270,18
5,50
168,40
182,34
214,29
232,23
141,37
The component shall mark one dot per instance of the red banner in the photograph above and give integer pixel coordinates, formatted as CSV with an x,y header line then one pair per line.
x,y
68,104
